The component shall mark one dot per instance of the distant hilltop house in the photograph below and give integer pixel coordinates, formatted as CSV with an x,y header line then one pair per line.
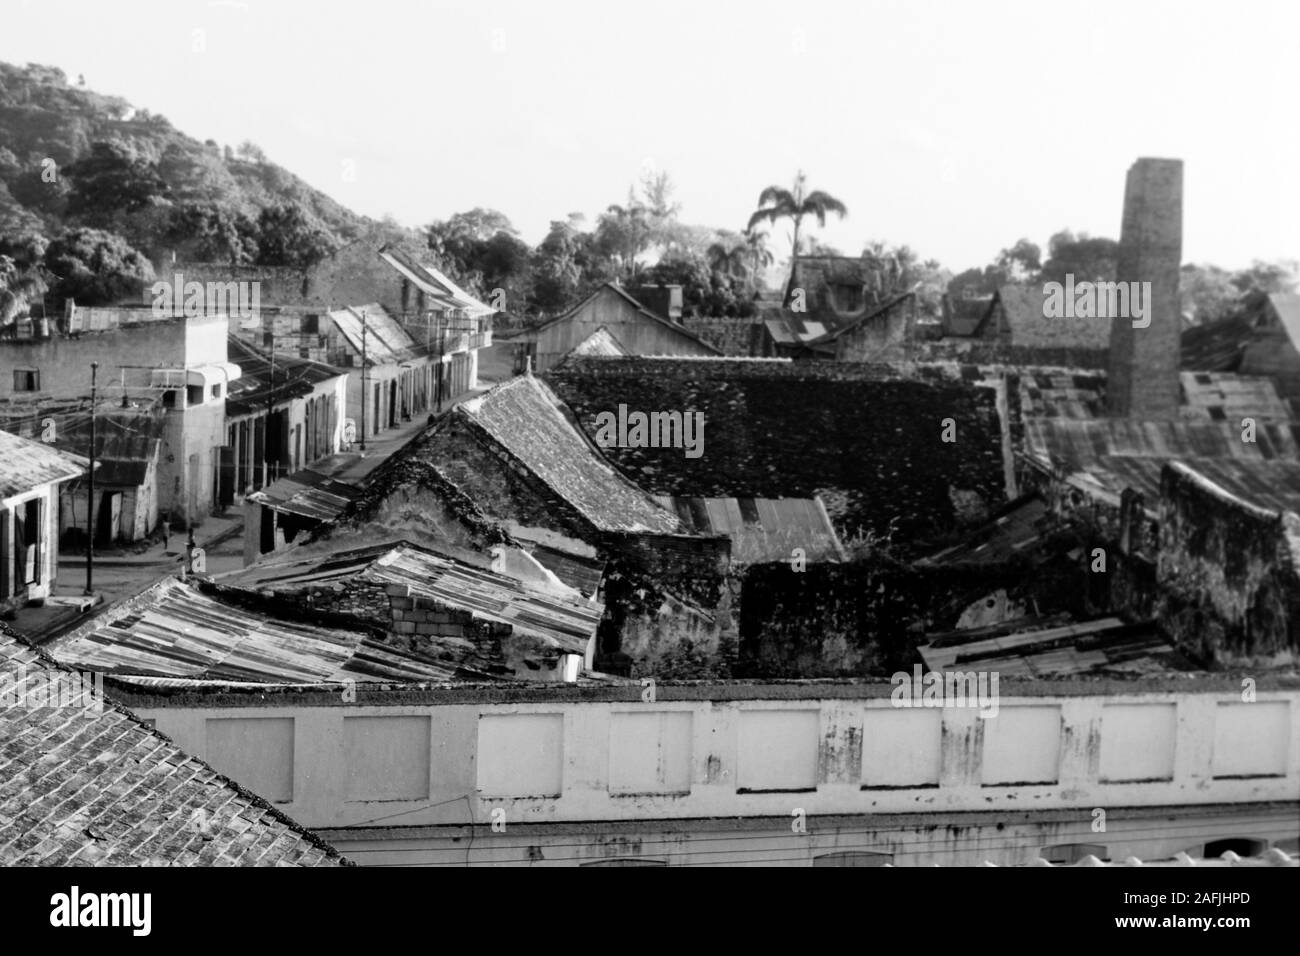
x,y
641,322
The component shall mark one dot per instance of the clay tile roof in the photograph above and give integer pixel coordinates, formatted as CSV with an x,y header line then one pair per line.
x,y
526,419
94,786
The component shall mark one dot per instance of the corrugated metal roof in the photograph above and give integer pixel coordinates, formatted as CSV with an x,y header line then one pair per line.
x,y
524,417
559,621
1213,396
1013,532
96,787
1073,445
308,494
173,630
386,342
1077,648
289,377
762,529
25,465
1216,346
445,294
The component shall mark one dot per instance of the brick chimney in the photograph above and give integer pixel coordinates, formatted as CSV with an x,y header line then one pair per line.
x,y
1143,378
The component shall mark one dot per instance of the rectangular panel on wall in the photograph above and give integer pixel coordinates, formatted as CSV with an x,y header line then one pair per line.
x,y
255,752
386,758
520,755
902,747
650,752
1252,740
778,750
1022,745
1138,742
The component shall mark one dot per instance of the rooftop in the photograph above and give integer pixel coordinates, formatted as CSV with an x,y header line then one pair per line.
x,y
26,464
308,494
526,419
94,786
379,335
264,378
174,630
559,621
762,530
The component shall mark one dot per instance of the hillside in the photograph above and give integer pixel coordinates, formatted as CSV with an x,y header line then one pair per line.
x,y
72,158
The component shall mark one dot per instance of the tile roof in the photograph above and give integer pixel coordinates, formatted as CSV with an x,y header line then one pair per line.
x,y
762,530
1022,307
174,630
525,418
385,341
26,464
962,315
1012,650
97,787
1212,396
559,621
884,308
308,494
289,377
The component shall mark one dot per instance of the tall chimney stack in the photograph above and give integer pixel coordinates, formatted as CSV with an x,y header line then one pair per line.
x,y
1143,378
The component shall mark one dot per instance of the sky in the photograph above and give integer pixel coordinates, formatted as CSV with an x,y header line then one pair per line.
x,y
953,127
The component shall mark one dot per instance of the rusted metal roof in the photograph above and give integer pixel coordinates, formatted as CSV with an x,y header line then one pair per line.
x,y
26,465
762,530
173,630
1013,650
525,418
94,786
287,378
308,494
559,621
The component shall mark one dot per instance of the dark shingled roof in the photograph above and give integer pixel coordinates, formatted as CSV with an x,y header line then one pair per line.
x,y
525,418
94,786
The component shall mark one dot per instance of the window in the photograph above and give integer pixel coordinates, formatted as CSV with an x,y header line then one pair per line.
x,y
1239,846
311,325
193,394
27,380
216,390
169,398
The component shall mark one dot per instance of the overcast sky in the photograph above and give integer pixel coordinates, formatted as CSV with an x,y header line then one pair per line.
x,y
954,127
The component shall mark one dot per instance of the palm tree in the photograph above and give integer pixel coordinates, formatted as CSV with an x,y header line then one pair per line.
x,y
729,260
18,289
760,254
776,202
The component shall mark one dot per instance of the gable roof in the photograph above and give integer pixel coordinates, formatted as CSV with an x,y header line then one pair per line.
x,y
433,283
174,630
26,464
640,310
557,620
1022,307
94,786
880,310
385,341
600,342
525,418
1287,307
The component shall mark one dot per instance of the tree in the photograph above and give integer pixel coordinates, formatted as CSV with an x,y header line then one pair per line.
x,y
623,233
1022,262
1206,293
1086,258
728,258
110,183
209,232
288,235
777,203
1269,277
96,267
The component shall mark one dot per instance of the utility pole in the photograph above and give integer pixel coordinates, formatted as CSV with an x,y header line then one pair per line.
x,y
363,383
90,497
270,410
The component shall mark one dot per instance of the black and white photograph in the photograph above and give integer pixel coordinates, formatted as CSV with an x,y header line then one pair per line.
x,y
453,434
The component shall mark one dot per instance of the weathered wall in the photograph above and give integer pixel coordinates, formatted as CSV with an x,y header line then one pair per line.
x,y
867,442
1228,574
753,753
